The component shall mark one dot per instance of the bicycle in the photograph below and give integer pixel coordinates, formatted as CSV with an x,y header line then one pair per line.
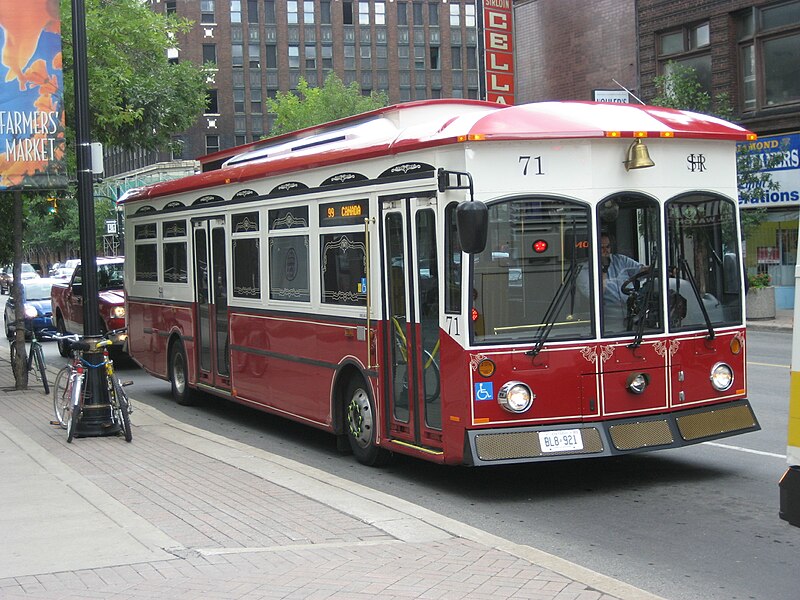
x,y
35,362
70,395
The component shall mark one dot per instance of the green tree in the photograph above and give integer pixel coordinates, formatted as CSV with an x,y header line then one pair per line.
x,y
310,106
680,88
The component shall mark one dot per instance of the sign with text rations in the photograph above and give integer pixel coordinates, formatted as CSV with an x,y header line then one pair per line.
x,y
498,50
31,96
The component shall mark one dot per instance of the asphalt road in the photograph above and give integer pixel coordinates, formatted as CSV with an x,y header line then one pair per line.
x,y
694,523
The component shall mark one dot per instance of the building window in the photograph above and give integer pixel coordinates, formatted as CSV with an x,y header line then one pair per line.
x,y
769,39
433,15
255,102
419,58
212,102
380,13
209,53
271,58
689,46
402,57
212,144
402,13
347,12
349,56
434,53
206,11
455,15
269,12
325,13
363,13
327,57
291,11
236,11
238,100
171,7
417,10
252,11
237,55
311,57
254,56
469,15
294,57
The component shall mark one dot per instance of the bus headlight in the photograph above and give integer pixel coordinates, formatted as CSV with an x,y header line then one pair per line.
x,y
637,383
515,397
118,312
721,376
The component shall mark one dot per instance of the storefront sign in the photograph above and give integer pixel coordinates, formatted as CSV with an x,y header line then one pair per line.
x,y
498,50
786,174
31,97
611,96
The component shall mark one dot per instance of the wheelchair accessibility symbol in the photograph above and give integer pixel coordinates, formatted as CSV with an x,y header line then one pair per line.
x,y
484,391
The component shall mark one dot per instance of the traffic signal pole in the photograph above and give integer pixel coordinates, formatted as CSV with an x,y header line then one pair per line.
x,y
96,419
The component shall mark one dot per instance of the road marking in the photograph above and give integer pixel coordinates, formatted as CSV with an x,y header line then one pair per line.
x,y
748,450
759,364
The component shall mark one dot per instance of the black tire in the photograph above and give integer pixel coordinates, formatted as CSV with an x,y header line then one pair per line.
x,y
9,333
362,425
64,346
72,422
61,396
179,376
125,417
38,358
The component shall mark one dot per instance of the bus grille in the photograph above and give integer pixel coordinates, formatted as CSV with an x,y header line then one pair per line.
x,y
715,422
525,444
630,436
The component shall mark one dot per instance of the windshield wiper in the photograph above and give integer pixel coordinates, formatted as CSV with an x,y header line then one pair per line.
x,y
556,304
649,288
690,276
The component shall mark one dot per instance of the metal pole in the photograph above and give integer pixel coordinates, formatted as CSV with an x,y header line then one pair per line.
x,y
97,414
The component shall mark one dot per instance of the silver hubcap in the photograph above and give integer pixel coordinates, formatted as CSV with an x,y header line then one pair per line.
x,y
178,374
359,418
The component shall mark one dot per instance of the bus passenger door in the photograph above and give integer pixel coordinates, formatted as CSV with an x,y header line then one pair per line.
x,y
412,399
211,297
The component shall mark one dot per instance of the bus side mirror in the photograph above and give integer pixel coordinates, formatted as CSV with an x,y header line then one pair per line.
x,y
472,219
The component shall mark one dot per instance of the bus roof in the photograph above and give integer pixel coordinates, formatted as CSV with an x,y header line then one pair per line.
x,y
429,123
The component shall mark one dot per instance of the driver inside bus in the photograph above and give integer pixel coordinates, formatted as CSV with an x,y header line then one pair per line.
x,y
615,269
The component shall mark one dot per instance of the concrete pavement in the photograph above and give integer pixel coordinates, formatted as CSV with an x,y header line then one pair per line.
x,y
184,513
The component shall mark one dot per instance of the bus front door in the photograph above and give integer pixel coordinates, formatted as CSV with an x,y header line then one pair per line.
x,y
412,399
211,298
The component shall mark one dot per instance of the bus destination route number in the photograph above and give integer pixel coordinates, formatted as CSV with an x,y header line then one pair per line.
x,y
560,440
343,213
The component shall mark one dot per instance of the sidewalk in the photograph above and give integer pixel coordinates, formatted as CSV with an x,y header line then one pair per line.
x,y
184,513
783,321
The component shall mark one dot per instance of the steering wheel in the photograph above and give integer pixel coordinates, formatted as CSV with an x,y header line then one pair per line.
x,y
633,283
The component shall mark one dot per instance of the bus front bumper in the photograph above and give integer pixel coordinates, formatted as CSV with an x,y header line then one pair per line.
x,y
609,438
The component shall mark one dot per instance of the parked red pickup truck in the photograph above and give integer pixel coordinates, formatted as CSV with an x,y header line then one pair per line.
x,y
67,301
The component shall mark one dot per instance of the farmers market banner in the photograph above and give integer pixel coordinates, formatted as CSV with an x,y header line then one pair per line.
x,y
31,96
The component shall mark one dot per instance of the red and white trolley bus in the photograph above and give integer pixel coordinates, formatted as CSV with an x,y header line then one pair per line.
x,y
459,281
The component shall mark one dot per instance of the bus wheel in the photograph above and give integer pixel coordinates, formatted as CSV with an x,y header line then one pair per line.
x,y
362,425
178,376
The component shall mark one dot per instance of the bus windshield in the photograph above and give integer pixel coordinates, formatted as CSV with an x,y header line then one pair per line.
x,y
704,264
526,278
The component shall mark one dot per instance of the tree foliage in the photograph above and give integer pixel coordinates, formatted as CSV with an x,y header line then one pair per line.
x,y
680,88
137,98
310,106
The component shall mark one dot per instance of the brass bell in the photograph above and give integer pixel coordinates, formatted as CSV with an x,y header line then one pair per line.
x,y
638,156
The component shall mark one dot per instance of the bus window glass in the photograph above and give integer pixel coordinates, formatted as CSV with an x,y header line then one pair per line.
x,y
452,295
344,269
246,268
703,247
175,263
626,261
526,279
146,262
288,268
428,299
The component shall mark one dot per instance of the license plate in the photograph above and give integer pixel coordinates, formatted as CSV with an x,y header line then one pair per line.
x,y
560,440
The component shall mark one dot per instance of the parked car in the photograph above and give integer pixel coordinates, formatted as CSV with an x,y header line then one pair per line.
x,y
37,307
7,280
62,273
67,301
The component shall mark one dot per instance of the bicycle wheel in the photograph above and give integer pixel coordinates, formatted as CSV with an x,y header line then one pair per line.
x,y
75,407
62,389
38,358
123,407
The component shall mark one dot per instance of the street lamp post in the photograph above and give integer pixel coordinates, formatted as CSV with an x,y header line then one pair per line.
x,y
96,418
